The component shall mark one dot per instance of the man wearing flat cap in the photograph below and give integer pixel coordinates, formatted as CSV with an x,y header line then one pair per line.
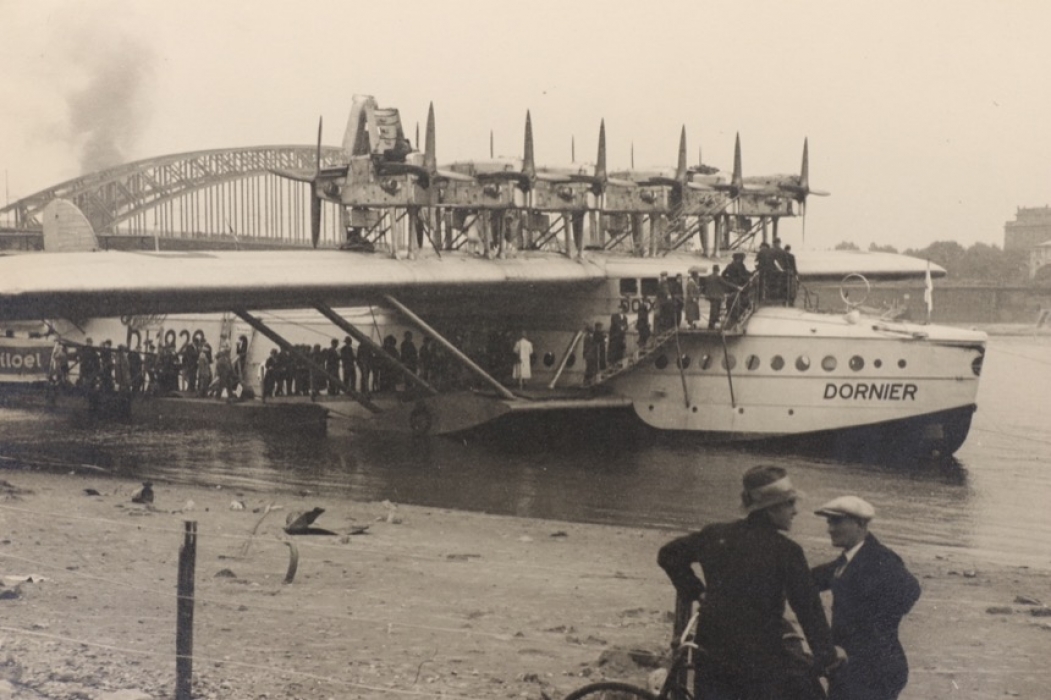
x,y
750,569
871,592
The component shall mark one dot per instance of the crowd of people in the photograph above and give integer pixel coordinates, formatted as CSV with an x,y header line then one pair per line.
x,y
679,299
749,569
360,367
152,369
730,293
164,368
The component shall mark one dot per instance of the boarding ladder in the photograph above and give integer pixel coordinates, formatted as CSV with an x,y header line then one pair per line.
x,y
735,324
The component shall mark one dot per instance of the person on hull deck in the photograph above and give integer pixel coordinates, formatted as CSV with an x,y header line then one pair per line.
x,y
750,568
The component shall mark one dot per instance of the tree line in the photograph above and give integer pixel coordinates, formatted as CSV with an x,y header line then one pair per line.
x,y
979,263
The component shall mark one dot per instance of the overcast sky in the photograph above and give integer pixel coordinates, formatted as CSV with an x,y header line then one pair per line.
x,y
927,120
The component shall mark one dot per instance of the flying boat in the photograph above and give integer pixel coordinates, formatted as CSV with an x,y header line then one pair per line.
x,y
478,250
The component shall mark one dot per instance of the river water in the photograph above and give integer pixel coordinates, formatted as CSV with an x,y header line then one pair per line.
x,y
989,504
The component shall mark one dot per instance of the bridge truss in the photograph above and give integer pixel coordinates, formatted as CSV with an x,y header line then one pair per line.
x,y
203,194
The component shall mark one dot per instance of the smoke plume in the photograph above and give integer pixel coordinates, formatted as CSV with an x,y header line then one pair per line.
x,y
109,111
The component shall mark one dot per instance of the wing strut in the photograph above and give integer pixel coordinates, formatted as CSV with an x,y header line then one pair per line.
x,y
353,331
466,361
288,347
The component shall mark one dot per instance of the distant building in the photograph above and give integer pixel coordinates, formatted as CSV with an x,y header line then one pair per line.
x,y
1031,227
1031,231
1040,257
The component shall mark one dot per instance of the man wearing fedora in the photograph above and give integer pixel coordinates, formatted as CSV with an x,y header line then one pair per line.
x,y
871,592
750,569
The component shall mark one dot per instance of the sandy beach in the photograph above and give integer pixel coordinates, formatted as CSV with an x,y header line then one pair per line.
x,y
422,603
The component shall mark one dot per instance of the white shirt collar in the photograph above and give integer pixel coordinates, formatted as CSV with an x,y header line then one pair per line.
x,y
849,554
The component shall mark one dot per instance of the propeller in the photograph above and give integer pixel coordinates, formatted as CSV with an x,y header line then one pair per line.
x,y
799,192
314,180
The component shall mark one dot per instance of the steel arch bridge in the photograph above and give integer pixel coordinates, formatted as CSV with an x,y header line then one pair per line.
x,y
201,194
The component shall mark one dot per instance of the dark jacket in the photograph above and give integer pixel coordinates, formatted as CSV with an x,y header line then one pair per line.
x,y
750,569
868,601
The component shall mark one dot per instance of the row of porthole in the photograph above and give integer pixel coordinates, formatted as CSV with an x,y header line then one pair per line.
x,y
752,363
777,363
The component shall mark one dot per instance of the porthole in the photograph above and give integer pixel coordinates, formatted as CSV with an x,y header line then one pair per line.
x,y
572,360
803,363
706,361
877,363
902,363
857,363
661,362
684,362
729,362
976,366
549,359
752,363
828,363
777,363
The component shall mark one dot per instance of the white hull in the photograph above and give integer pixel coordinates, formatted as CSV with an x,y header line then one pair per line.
x,y
852,375
858,373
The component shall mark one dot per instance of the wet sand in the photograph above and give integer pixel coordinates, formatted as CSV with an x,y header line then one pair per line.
x,y
426,602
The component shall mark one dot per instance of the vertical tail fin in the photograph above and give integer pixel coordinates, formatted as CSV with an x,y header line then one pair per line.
x,y
66,229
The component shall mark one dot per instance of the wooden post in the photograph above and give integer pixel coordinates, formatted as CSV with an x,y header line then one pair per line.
x,y
184,618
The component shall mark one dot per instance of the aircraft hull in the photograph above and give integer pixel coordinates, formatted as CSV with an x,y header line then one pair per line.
x,y
795,374
923,437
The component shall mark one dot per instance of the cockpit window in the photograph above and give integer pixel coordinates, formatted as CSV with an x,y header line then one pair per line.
x,y
629,286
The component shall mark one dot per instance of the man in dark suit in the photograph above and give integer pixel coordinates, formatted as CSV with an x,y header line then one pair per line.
x,y
618,332
871,592
750,569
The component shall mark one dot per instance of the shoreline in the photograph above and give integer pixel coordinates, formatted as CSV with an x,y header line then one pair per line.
x,y
427,602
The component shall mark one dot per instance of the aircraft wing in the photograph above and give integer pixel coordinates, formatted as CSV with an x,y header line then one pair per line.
x,y
833,265
111,283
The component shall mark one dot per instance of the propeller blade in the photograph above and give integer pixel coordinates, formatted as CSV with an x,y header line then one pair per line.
x,y
315,199
738,179
680,169
600,161
317,162
528,160
804,171
315,217
430,154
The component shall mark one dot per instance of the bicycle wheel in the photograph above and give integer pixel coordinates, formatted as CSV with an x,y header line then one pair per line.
x,y
611,690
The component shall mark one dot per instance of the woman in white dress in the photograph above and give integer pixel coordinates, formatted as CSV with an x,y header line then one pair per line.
x,y
523,360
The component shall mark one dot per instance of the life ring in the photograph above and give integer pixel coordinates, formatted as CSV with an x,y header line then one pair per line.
x,y
420,420
845,296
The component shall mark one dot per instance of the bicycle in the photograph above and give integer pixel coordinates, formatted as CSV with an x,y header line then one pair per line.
x,y
677,684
